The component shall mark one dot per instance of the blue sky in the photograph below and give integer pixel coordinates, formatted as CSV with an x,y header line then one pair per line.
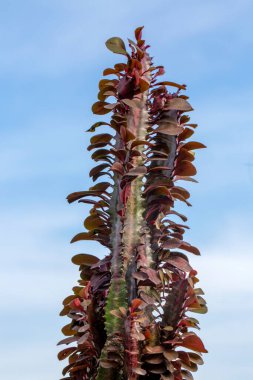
x,y
52,56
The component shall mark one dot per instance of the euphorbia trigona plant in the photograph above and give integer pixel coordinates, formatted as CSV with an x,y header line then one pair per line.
x,y
129,314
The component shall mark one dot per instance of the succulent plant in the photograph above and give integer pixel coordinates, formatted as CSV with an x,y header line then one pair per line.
x,y
129,315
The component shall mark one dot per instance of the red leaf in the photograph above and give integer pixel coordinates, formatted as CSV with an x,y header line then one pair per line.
x,y
180,190
195,358
184,218
179,263
100,154
190,248
84,259
157,168
141,276
98,169
136,303
101,186
134,103
146,298
107,82
172,243
110,106
173,84
66,352
139,371
67,330
144,85
67,340
96,125
171,129
99,108
139,170
178,104
193,342
101,138
185,168
124,194
83,236
191,145
93,221
75,196
185,154
154,349
138,32
152,275
187,132
184,356
118,168
109,71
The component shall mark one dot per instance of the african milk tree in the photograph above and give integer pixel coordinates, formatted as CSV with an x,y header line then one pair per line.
x,y
129,314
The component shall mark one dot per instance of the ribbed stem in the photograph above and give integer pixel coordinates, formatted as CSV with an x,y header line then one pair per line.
x,y
137,123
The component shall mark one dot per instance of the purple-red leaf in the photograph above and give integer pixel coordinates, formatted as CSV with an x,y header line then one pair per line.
x,y
193,342
191,145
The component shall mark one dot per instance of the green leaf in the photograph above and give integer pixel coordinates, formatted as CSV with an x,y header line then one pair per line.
x,y
116,45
